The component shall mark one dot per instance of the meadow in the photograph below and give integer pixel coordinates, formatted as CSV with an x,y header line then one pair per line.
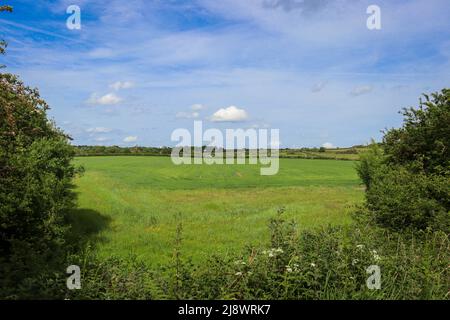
x,y
134,204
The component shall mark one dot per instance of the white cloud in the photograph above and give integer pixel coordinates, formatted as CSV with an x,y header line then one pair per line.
x,y
130,139
98,130
357,91
328,145
194,113
187,115
197,107
121,85
107,99
230,114
101,139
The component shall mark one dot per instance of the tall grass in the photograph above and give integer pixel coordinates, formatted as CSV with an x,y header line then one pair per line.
x,y
326,263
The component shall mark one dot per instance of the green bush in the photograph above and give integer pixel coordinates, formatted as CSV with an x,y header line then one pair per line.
x,y
35,189
370,161
400,199
424,136
407,183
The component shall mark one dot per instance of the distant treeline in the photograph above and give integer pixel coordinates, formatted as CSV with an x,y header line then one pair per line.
x,y
304,153
118,151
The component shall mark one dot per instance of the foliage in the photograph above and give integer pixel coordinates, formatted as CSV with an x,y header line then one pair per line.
x,y
370,161
399,199
408,181
327,263
35,187
424,137
3,43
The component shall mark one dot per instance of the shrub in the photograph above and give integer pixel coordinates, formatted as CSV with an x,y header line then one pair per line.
x,y
370,161
35,188
400,199
407,185
424,136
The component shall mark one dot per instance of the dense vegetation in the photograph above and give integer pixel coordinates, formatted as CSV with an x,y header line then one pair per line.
x,y
35,187
327,263
408,182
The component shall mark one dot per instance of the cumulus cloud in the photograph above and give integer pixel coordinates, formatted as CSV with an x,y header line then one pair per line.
x,y
130,139
107,99
328,145
230,114
360,90
121,85
98,130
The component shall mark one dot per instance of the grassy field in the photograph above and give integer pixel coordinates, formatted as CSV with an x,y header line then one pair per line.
x,y
132,204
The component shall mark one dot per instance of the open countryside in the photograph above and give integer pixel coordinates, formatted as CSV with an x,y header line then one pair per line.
x,y
135,203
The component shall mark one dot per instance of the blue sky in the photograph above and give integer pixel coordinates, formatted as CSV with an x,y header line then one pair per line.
x,y
137,70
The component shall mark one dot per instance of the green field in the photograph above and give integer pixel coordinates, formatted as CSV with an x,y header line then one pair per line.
x,y
132,204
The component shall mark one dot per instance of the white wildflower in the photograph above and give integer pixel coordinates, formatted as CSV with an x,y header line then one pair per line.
x,y
375,255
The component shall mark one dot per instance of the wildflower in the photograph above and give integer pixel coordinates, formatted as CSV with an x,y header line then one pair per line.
x,y
355,261
360,246
375,255
313,264
271,254
239,273
279,250
288,269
